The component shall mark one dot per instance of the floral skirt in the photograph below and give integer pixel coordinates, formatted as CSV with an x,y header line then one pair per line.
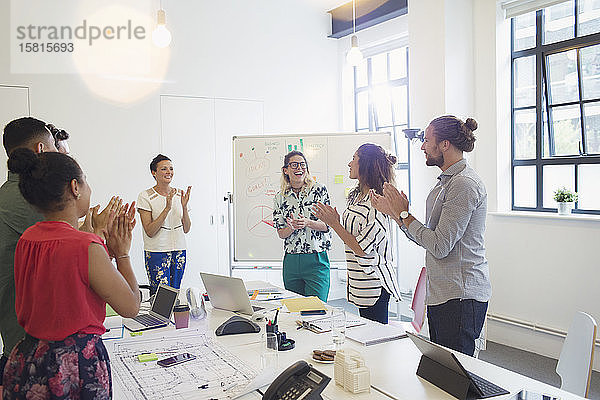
x,y
75,368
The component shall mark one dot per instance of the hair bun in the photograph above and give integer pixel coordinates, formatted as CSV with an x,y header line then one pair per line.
x,y
22,161
471,124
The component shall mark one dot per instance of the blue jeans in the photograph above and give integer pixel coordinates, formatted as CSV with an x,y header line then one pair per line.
x,y
378,311
457,323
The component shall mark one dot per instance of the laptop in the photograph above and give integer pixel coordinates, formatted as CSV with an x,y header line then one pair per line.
x,y
479,387
228,293
160,312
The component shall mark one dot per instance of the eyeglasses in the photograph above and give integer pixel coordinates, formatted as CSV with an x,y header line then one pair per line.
x,y
295,165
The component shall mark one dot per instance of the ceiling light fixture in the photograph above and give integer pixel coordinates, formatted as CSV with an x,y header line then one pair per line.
x,y
354,56
161,35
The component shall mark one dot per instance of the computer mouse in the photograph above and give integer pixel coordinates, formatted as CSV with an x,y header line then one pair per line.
x,y
258,317
236,325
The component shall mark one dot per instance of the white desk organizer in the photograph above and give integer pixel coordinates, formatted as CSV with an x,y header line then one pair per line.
x,y
350,372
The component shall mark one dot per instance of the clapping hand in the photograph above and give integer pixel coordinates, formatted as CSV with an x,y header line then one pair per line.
x,y
326,213
297,223
100,220
383,204
119,234
185,197
172,193
398,200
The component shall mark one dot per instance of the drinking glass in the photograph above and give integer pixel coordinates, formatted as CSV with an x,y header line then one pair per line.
x,y
270,354
338,327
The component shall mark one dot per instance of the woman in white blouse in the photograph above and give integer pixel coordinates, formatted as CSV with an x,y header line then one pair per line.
x,y
165,217
366,233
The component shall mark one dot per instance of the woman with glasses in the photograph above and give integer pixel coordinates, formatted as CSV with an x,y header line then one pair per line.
x,y
306,240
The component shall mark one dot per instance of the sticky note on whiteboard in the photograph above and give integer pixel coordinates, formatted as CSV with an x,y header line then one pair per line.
x,y
338,179
347,191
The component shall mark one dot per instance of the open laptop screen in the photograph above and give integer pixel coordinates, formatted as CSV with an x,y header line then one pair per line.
x,y
164,300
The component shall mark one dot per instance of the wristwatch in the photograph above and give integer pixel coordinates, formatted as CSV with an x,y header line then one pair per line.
x,y
404,215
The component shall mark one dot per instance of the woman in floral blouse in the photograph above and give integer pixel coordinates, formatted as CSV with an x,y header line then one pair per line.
x,y
306,240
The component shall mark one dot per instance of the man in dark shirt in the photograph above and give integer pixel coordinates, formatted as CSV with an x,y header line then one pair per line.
x,y
16,215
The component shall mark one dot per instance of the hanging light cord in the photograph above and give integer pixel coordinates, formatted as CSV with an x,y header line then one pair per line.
x,y
353,16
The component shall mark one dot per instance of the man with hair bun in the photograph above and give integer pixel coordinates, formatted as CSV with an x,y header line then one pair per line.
x,y
16,215
458,283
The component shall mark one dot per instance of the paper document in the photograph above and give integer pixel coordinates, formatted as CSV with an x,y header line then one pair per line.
x,y
323,324
375,333
303,303
215,373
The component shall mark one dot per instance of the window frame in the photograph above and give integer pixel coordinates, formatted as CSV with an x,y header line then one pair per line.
x,y
372,115
542,106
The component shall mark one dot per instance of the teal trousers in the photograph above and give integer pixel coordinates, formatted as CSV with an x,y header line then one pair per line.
x,y
307,274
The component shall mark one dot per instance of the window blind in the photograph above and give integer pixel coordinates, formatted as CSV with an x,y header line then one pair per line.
x,y
513,8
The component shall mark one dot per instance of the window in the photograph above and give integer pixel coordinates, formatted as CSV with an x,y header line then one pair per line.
x,y
381,102
556,106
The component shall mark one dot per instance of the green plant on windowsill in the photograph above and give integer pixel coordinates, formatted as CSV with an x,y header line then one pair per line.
x,y
564,195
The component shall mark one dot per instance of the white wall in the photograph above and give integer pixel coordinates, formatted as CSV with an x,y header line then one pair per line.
x,y
275,52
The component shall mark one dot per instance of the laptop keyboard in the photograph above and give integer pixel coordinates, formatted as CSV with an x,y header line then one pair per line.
x,y
148,320
487,388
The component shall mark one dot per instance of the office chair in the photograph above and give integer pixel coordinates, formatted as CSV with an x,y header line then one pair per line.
x,y
577,355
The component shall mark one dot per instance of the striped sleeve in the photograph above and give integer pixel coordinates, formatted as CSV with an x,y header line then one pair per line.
x,y
373,231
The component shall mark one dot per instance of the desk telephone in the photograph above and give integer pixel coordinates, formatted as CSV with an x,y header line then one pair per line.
x,y
300,381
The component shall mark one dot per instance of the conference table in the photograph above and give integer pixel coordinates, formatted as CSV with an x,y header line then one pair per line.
x,y
392,364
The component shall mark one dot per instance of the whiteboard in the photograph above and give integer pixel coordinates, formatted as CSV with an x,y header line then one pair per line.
x,y
257,162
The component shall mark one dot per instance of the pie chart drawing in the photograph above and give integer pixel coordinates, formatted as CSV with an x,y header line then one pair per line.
x,y
260,221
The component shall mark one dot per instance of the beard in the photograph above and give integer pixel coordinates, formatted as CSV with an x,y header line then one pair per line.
x,y
435,161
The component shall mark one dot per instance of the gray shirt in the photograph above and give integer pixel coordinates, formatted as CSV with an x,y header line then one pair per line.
x,y
16,215
453,236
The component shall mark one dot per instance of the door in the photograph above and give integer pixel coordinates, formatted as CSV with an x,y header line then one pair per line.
x,y
232,118
188,138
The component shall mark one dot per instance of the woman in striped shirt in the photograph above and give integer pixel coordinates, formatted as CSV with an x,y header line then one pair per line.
x,y
366,233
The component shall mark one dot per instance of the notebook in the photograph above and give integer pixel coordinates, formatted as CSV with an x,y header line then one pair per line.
x,y
160,313
303,303
375,333
323,324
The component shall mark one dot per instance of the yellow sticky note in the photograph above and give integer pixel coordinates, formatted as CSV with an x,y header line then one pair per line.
x,y
303,303
135,333
338,179
347,191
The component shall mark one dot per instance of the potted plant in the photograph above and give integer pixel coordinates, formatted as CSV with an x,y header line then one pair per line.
x,y
565,199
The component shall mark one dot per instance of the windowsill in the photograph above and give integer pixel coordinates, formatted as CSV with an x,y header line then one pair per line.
x,y
545,215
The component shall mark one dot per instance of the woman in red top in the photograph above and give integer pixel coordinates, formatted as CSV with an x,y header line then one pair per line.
x,y
63,279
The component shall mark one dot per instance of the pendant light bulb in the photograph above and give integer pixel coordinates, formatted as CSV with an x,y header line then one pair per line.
x,y
354,56
161,35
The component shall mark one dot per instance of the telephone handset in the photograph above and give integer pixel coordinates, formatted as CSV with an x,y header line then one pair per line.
x,y
300,381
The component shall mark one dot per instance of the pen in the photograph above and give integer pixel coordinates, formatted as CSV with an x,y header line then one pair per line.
x,y
276,315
